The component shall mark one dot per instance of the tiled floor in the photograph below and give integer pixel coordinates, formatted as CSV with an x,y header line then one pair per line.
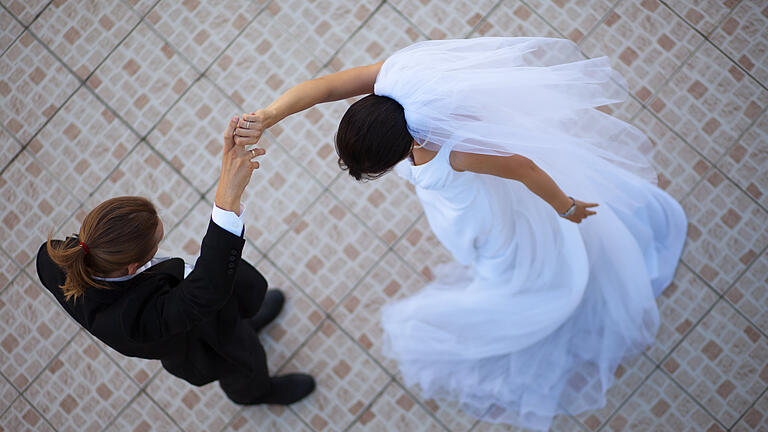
x,y
114,97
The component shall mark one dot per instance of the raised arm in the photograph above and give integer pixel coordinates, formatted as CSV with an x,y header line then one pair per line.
x,y
524,170
336,86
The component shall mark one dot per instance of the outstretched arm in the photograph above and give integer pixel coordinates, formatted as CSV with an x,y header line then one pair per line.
x,y
336,86
524,170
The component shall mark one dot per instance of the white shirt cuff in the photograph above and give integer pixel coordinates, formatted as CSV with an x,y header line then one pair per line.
x,y
228,220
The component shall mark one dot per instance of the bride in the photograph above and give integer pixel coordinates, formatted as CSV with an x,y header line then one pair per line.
x,y
549,293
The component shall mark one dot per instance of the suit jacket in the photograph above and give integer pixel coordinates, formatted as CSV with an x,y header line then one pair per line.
x,y
193,325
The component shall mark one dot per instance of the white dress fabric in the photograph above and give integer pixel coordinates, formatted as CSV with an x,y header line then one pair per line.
x,y
537,312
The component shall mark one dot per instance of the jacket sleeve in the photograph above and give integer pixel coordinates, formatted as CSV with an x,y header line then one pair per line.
x,y
196,298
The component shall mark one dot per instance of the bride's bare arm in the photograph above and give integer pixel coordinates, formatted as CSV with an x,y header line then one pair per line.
x,y
524,170
336,86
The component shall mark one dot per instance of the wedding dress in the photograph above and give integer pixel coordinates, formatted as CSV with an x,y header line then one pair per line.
x,y
537,312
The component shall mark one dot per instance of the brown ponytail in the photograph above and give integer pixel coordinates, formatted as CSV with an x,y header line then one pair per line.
x,y
117,233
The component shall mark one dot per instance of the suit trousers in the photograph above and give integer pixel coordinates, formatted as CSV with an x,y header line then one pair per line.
x,y
248,387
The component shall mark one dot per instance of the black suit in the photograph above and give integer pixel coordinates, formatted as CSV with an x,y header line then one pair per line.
x,y
194,325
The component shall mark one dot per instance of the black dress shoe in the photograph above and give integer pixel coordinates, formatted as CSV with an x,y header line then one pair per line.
x,y
290,388
269,310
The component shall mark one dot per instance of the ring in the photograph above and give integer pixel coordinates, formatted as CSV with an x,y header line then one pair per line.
x,y
247,124
253,153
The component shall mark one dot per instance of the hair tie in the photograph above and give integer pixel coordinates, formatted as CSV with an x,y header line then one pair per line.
x,y
85,248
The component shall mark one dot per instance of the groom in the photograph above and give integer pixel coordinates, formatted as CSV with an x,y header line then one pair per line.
x,y
202,322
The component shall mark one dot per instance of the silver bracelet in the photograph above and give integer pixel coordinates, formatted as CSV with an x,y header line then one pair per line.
x,y
570,210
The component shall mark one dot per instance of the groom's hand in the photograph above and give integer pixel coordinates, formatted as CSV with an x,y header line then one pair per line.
x,y
236,169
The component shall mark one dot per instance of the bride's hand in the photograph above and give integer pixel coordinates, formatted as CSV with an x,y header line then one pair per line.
x,y
582,211
251,127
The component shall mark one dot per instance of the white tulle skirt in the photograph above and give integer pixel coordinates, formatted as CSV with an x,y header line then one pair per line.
x,y
535,315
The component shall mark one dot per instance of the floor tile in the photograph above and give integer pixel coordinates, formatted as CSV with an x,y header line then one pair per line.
x,y
514,18
754,419
365,47
35,204
22,417
83,33
681,305
82,389
138,369
388,205
193,408
263,62
678,165
723,363
201,30
628,377
82,143
659,404
560,423
142,6
143,173
33,86
746,163
750,295
703,14
327,252
9,147
360,313
8,270
279,191
271,418
321,27
296,322
11,29
726,230
645,41
26,10
143,415
395,410
190,135
142,78
743,36
183,240
309,138
710,102
347,380
8,394
445,20
573,18
422,250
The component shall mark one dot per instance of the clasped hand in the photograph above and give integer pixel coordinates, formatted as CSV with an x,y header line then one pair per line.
x,y
237,163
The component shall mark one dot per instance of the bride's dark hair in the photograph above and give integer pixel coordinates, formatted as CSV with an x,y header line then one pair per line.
x,y
372,137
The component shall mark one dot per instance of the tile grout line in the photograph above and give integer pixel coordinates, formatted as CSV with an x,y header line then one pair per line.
x,y
754,402
386,371
714,164
695,400
351,36
81,81
720,298
482,21
121,410
660,363
42,371
599,22
407,20
707,36
15,398
21,24
154,401
369,405
40,413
